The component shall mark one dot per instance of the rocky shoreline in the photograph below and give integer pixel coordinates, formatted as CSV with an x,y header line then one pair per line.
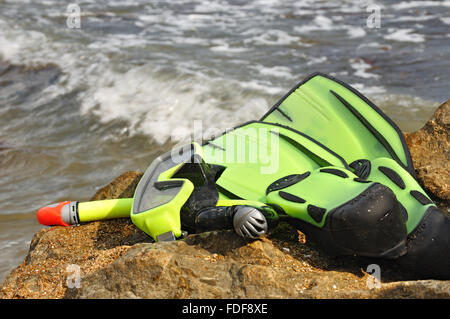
x,y
117,260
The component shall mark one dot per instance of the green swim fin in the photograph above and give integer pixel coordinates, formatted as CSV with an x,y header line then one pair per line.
x,y
342,119
310,186
256,154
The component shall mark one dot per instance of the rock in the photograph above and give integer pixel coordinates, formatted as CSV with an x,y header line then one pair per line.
x,y
122,187
120,264
415,289
44,271
117,260
223,265
430,152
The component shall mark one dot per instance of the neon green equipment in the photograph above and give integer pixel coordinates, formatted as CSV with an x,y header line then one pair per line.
x,y
324,158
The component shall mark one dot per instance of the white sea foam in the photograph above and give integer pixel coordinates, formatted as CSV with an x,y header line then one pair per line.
x,y
320,23
276,71
318,60
415,18
211,7
223,46
263,86
18,1
405,35
272,37
361,68
156,107
14,43
356,32
445,20
369,90
118,41
416,4
152,106
324,24
374,45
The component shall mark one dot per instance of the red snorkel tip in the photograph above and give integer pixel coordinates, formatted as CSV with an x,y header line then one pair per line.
x,y
51,215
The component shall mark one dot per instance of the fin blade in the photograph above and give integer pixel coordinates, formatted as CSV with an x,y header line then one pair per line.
x,y
341,118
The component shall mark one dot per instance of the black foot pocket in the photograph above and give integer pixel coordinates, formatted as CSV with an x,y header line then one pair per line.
x,y
429,246
371,224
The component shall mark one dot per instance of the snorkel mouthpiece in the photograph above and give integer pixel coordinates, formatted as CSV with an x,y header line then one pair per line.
x,y
249,222
60,214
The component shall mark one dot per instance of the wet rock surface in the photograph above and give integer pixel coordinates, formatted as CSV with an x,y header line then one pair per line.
x,y
430,151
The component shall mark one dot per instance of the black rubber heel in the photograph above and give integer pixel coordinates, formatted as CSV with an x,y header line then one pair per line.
x,y
429,246
372,225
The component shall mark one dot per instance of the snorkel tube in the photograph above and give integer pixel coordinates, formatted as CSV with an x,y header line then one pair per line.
x,y
71,212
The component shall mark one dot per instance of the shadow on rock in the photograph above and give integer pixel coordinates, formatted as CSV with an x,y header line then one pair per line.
x,y
293,242
119,232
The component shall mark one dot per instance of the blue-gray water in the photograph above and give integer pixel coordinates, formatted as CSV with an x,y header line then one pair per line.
x,y
80,106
